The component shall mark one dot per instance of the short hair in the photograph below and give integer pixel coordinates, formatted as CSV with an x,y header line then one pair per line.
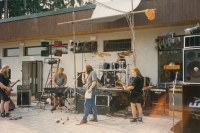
x,y
61,68
89,68
137,71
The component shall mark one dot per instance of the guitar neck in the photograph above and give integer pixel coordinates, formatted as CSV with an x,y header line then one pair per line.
x,y
14,84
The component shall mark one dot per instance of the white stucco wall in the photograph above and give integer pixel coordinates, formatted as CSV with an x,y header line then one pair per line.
x,y
145,50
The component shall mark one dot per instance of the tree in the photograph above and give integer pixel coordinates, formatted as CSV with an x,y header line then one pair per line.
x,y
26,7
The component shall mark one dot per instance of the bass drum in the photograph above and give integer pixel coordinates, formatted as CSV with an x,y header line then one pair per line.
x,y
106,66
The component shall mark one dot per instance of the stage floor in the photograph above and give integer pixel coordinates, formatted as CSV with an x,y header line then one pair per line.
x,y
37,120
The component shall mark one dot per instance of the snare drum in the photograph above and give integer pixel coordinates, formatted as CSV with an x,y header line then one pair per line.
x,y
106,65
122,65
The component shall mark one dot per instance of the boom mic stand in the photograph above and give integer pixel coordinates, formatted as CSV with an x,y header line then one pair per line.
x,y
174,86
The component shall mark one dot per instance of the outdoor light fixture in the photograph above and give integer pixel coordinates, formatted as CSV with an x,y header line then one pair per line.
x,y
45,44
193,30
71,42
52,62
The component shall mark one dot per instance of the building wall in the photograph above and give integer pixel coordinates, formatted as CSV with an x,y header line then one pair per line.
x,y
145,51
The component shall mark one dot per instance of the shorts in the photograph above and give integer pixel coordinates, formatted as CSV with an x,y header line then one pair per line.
x,y
58,94
4,97
135,97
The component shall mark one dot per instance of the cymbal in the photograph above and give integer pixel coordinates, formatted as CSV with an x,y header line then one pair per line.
x,y
127,53
101,54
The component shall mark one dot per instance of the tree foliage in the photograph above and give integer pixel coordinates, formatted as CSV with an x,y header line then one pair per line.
x,y
26,7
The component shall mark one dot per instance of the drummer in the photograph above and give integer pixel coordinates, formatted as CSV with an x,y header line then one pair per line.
x,y
120,57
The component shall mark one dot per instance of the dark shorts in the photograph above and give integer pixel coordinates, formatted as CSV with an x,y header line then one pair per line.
x,y
58,94
4,97
135,97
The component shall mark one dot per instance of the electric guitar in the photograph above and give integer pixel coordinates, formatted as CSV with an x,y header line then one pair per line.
x,y
120,83
8,92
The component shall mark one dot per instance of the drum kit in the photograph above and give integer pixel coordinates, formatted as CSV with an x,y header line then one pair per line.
x,y
114,66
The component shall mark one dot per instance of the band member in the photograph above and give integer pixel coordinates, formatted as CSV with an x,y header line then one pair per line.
x,y
135,96
5,100
59,80
120,57
91,85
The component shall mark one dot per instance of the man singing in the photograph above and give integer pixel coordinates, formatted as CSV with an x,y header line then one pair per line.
x,y
59,80
91,84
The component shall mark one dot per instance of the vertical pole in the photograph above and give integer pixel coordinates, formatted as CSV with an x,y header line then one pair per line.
x,y
133,37
5,9
74,48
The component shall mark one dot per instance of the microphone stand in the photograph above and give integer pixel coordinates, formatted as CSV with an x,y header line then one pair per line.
x,y
174,86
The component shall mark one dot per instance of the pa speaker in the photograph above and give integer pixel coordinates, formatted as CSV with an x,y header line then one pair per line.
x,y
191,108
191,66
80,83
23,98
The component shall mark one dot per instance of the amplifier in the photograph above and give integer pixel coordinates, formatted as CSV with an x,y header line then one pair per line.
x,y
102,100
159,95
23,97
23,87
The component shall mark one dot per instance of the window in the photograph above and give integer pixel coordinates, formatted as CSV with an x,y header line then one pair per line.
x,y
33,50
11,52
117,45
85,47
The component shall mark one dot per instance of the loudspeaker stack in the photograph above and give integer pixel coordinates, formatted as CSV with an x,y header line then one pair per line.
x,y
191,91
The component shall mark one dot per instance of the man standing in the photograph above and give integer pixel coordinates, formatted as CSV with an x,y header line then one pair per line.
x,y
5,100
59,80
91,85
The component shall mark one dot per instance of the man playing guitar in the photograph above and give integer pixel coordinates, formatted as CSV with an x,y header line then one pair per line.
x,y
5,100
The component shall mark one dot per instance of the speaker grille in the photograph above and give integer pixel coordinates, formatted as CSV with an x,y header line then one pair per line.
x,y
23,98
191,65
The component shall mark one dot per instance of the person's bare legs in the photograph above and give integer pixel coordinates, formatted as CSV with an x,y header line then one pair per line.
x,y
2,106
6,106
139,107
133,108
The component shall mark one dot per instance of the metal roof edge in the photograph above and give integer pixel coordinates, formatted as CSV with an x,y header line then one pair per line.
x,y
49,13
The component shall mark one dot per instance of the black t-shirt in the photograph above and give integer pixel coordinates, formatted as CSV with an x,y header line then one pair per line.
x,y
4,80
138,83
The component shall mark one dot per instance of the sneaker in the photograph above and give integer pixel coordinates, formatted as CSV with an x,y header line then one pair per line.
x,y
139,119
54,108
133,120
7,115
2,115
94,120
83,121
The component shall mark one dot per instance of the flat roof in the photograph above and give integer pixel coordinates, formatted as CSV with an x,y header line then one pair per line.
x,y
49,13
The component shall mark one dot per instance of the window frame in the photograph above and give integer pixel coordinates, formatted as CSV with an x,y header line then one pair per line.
x,y
5,52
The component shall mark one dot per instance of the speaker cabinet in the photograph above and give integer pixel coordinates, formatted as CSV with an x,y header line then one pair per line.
x,y
191,108
80,106
23,97
79,80
102,100
192,41
101,110
191,66
159,95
